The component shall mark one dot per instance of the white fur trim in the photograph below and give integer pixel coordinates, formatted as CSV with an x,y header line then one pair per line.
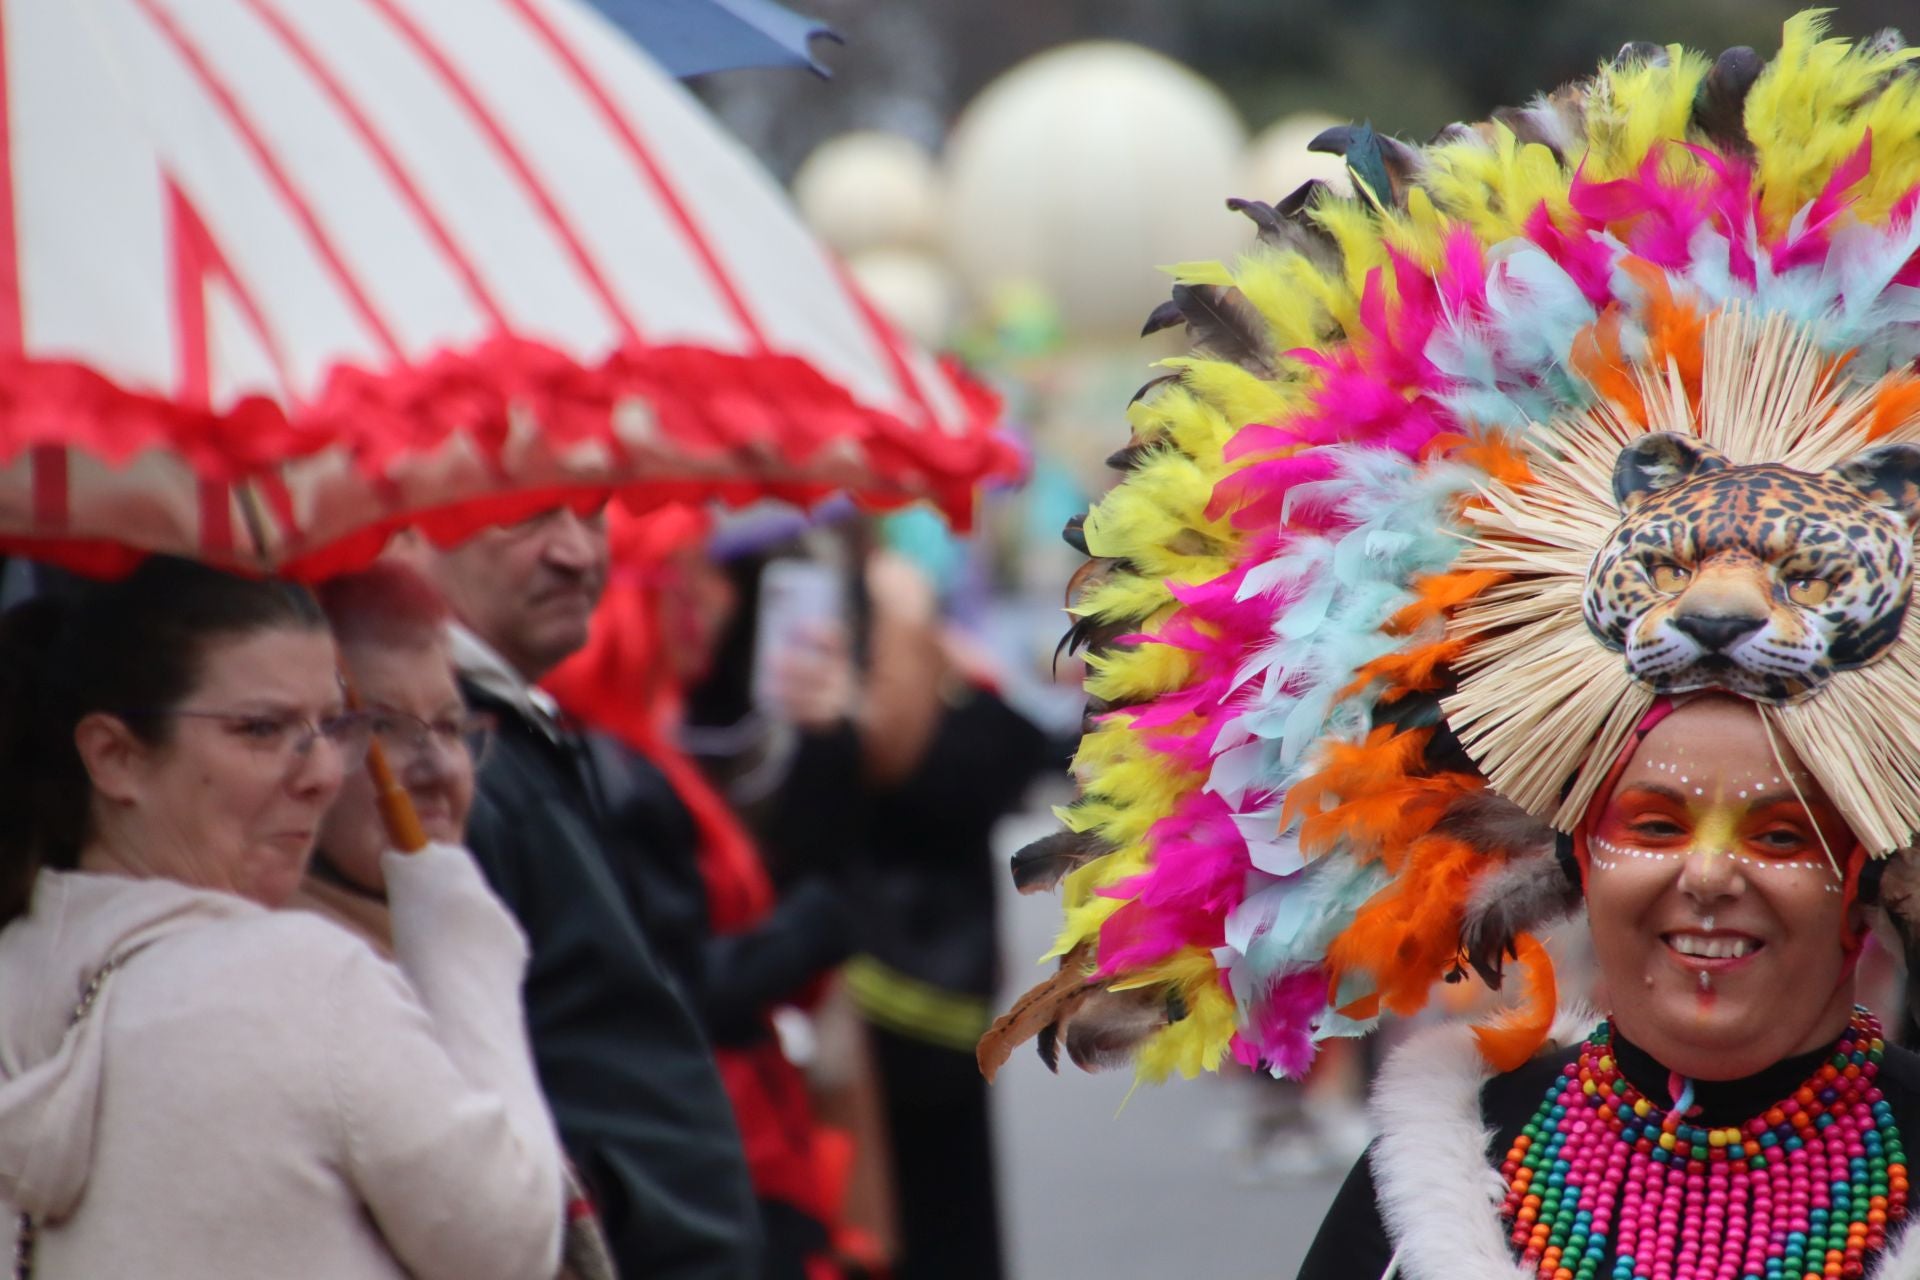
x,y
1904,1262
1439,1190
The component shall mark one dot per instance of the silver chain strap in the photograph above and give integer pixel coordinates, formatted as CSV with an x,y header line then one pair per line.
x,y
23,1242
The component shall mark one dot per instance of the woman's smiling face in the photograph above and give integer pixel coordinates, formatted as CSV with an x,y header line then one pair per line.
x,y
1716,911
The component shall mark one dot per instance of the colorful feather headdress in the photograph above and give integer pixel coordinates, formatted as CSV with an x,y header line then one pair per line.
x,y
1346,615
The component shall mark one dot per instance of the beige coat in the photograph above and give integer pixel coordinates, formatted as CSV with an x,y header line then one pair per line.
x,y
256,1094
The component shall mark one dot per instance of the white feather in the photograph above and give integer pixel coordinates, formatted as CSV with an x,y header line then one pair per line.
x,y
1439,1189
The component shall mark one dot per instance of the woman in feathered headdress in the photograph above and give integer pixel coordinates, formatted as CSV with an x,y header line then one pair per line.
x,y
1534,530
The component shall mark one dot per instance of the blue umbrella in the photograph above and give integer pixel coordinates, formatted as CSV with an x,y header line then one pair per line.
x,y
693,37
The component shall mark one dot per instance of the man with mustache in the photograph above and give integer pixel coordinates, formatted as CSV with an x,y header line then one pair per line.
x,y
627,1071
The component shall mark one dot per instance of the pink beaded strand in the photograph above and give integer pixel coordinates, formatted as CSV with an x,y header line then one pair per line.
x,y
1603,1184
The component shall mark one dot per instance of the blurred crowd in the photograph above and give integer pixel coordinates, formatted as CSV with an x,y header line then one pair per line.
x,y
612,894
685,981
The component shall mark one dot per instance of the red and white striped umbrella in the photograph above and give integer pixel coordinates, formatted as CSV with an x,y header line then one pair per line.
x,y
279,276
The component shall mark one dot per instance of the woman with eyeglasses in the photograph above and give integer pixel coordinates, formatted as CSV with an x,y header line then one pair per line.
x,y
391,627
193,1083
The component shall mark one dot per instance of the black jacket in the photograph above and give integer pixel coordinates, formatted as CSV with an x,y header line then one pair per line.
x,y
625,1067
730,980
930,892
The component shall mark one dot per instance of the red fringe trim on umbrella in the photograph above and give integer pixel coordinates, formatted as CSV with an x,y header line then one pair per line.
x,y
732,428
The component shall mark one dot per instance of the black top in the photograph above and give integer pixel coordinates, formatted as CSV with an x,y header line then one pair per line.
x,y
1352,1243
625,1068
929,892
732,980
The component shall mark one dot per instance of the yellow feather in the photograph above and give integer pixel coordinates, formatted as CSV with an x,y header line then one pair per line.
x,y
1199,1041
1495,189
1174,414
1126,595
1170,482
1804,117
1158,521
1106,742
1634,109
1085,908
1145,782
1202,432
1894,118
1419,231
1199,272
1356,229
1300,302
1241,396
1126,675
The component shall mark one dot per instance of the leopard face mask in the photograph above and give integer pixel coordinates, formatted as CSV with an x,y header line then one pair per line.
x,y
1760,580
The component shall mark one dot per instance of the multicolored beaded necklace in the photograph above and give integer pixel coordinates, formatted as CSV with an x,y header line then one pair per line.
x,y
1603,1183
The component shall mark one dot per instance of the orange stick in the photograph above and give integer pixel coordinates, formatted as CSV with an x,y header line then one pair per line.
x,y
396,806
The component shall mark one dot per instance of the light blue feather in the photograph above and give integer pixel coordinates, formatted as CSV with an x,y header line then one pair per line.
x,y
1291,922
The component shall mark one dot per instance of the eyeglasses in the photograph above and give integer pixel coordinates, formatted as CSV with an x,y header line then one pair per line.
x,y
408,738
285,736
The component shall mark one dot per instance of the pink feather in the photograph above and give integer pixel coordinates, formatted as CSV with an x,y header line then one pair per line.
x,y
1585,258
1810,245
1281,1024
1656,218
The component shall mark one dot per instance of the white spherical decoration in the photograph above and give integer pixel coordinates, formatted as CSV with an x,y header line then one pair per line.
x,y
870,190
1084,169
911,288
1277,161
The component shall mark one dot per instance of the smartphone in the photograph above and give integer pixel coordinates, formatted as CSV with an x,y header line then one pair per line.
x,y
796,596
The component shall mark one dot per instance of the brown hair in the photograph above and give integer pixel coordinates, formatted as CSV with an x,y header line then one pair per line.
x,y
116,647
387,604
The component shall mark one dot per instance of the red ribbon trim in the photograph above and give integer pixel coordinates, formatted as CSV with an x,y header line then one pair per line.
x,y
751,424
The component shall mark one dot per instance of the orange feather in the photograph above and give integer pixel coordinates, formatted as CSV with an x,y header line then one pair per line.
x,y
1416,670
1408,935
1897,404
1676,330
1374,796
1511,1038
1599,358
1439,594
1490,454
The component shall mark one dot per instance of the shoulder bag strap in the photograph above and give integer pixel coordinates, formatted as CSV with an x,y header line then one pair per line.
x,y
23,1243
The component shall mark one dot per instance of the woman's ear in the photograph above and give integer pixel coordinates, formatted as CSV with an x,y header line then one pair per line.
x,y
111,754
1860,919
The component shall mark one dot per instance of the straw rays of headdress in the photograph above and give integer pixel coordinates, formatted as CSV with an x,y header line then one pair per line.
x,y
1544,708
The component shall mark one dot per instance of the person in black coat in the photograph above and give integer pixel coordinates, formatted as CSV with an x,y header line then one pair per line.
x,y
624,1063
905,794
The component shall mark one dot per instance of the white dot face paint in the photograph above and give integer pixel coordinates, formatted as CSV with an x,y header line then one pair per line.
x,y
1606,855
1717,918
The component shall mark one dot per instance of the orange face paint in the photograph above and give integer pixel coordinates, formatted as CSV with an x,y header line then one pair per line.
x,y
1711,897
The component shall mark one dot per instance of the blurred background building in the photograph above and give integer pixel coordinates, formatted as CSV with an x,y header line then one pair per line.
x,y
909,66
